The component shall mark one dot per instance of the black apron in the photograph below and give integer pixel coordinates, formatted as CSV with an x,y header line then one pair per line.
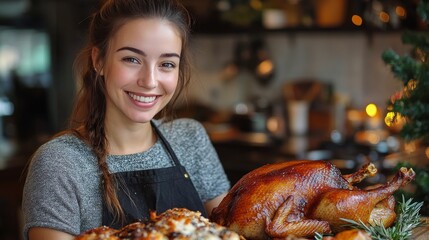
x,y
140,192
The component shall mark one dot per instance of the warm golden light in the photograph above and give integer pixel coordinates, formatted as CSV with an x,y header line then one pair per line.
x,y
411,85
256,4
273,125
371,110
373,138
357,20
389,119
384,17
265,67
427,152
394,121
400,11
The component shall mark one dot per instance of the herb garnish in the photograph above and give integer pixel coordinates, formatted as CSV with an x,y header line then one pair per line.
x,y
408,218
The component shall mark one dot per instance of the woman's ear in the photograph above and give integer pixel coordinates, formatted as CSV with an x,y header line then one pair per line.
x,y
95,61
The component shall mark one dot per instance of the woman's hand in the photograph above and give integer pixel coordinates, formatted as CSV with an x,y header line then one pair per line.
x,y
209,205
39,233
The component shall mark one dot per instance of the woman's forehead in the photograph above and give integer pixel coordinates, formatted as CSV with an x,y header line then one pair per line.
x,y
147,33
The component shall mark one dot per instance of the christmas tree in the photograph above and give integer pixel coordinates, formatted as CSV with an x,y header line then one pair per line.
x,y
412,103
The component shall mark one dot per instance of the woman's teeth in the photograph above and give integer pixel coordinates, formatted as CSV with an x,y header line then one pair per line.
x,y
142,98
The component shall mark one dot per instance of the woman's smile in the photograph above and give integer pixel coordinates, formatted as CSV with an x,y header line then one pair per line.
x,y
142,98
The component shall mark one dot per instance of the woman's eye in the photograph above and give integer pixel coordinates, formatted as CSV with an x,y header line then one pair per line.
x,y
131,60
168,65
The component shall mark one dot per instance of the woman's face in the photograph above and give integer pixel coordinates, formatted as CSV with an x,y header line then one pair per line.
x,y
141,70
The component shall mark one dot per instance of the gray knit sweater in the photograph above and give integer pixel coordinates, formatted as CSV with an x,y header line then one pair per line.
x,y
62,190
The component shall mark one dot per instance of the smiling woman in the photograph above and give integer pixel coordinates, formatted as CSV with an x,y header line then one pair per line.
x,y
144,66
116,163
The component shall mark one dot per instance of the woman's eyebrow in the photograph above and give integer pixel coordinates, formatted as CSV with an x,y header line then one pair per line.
x,y
140,52
167,55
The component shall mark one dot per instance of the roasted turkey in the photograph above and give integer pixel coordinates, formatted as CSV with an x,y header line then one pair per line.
x,y
303,197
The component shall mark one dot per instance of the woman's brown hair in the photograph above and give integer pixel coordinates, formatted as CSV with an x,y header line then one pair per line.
x,y
87,120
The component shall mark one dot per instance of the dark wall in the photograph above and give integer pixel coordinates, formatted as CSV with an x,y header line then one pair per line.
x,y
65,22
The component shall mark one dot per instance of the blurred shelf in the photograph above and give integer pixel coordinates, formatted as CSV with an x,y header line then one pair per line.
x,y
225,29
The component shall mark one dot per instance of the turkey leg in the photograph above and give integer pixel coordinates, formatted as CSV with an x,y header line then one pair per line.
x,y
368,170
358,205
290,221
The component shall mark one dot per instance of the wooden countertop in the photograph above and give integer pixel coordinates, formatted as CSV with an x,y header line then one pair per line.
x,y
422,233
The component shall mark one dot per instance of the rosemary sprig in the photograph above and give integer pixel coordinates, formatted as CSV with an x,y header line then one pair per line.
x,y
408,218
318,236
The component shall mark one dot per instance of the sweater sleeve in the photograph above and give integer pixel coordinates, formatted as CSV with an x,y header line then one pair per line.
x,y
212,178
50,191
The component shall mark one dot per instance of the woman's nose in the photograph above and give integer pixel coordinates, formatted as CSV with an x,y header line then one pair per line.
x,y
147,79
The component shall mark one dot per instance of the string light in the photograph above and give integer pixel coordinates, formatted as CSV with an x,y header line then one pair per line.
x,y
371,110
357,20
384,17
400,11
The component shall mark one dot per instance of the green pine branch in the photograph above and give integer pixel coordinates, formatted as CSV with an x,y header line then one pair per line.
x,y
423,10
404,68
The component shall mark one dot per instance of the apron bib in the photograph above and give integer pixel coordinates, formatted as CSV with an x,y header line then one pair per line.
x,y
140,192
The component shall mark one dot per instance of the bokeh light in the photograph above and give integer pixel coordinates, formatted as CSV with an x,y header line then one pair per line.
x,y
357,20
371,110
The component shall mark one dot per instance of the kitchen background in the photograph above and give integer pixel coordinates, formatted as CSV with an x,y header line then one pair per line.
x,y
253,59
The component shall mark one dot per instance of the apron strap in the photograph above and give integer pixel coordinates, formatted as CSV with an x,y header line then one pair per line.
x,y
177,163
167,145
